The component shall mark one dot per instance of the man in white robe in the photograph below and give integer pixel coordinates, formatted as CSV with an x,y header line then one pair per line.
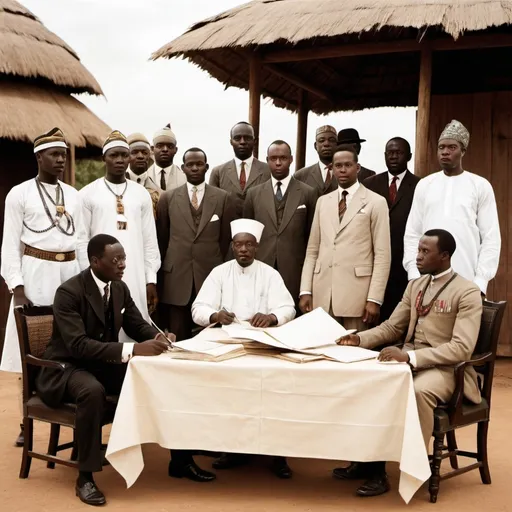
x,y
122,208
462,203
245,289
42,218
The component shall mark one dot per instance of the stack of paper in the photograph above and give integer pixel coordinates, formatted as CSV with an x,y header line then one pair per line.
x,y
201,350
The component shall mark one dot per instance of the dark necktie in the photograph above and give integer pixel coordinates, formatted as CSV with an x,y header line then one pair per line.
x,y
328,176
342,205
106,297
279,192
163,186
243,178
393,190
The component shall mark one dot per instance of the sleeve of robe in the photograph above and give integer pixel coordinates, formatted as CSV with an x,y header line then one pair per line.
x,y
152,259
280,301
208,299
84,229
413,232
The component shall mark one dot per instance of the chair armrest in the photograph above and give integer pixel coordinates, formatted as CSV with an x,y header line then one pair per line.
x,y
44,363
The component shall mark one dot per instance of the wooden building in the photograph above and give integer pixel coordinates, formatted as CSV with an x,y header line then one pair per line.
x,y
451,59
38,74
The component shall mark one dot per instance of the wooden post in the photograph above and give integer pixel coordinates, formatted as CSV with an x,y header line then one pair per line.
x,y
255,97
69,171
423,116
302,130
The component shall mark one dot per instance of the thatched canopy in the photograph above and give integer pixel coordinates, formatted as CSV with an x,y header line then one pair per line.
x,y
222,45
28,50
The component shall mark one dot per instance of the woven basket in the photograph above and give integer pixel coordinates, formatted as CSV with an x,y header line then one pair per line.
x,y
39,330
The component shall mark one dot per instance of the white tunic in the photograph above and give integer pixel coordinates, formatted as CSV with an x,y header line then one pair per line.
x,y
40,278
465,206
257,288
99,213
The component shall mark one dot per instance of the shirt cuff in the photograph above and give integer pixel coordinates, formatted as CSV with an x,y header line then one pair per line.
x,y
374,300
150,277
413,273
412,358
304,293
481,283
127,352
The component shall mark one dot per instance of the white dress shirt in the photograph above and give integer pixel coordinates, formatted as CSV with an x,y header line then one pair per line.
x,y
248,166
399,180
284,184
138,178
127,352
351,191
199,191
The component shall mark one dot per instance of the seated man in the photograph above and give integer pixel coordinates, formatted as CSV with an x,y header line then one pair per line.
x,y
441,313
245,289
89,310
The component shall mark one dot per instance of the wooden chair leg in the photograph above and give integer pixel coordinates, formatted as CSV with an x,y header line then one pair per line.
x,y
53,443
452,447
28,425
482,431
433,487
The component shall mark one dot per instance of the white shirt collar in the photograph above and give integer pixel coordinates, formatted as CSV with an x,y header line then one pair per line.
x,y
159,169
399,176
442,274
134,177
248,163
284,183
199,187
351,190
245,270
99,283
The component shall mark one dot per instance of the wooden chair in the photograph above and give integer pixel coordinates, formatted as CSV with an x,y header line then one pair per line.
x,y
35,325
458,413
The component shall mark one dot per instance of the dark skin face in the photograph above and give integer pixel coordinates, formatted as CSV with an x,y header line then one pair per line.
x,y
345,168
430,260
164,153
116,161
111,266
195,167
139,160
449,154
51,163
244,248
242,140
397,156
279,159
325,144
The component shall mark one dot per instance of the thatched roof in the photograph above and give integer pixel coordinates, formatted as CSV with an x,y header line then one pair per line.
x,y
26,111
29,50
222,44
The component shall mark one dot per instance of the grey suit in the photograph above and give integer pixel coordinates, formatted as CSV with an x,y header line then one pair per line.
x,y
224,176
283,245
312,176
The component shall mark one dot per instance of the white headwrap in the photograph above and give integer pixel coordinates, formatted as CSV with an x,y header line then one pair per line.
x,y
253,227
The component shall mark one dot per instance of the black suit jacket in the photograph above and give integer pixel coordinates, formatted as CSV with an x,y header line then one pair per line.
x,y
364,173
79,328
398,215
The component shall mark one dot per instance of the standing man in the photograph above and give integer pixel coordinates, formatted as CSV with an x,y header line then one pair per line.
x,y
242,173
122,208
285,207
349,254
351,136
164,174
193,225
319,175
461,202
39,241
397,187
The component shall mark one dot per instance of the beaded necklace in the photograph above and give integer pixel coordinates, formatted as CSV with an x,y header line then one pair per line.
x,y
122,221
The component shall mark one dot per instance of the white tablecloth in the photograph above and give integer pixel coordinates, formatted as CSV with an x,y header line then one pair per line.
x,y
326,410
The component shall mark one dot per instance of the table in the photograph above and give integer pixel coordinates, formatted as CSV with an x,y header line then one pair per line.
x,y
261,405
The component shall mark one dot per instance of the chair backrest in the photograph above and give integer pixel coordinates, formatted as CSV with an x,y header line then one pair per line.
x,y
488,337
35,327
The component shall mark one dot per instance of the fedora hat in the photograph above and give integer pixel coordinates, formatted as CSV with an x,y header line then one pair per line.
x,y
349,136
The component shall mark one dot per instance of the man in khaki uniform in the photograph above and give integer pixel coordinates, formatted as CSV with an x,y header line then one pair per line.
x,y
440,314
349,251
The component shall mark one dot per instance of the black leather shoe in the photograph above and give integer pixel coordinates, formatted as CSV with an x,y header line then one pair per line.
x,y
280,468
20,440
374,487
90,494
230,460
191,471
355,471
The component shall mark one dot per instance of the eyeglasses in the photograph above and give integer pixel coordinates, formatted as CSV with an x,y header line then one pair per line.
x,y
120,259
247,245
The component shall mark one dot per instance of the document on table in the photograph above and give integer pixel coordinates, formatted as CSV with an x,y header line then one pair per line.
x,y
202,350
254,334
343,353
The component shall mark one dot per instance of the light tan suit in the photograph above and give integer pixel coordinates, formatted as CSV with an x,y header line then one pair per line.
x,y
174,179
348,263
446,336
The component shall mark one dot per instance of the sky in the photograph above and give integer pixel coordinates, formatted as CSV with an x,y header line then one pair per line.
x,y
114,40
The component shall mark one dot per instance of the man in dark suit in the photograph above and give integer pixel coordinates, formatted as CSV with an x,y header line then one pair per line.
x,y
286,207
193,227
397,187
319,175
242,173
351,136
89,310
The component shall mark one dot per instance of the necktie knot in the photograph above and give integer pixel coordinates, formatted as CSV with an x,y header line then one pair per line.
x,y
328,175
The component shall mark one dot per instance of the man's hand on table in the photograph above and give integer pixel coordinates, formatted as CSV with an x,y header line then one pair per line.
x,y
393,354
371,313
306,303
350,340
153,347
261,320
222,317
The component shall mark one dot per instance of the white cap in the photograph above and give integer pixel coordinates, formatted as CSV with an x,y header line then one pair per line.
x,y
253,227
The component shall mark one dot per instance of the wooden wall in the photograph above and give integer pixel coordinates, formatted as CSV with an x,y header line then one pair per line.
x,y
488,117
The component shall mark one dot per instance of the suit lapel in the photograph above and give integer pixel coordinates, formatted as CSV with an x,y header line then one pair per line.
x,y
317,175
184,205
268,200
233,176
254,174
209,204
332,208
93,296
357,202
402,190
382,185
292,202
116,306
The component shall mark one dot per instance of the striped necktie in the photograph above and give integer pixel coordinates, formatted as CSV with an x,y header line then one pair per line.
x,y
342,205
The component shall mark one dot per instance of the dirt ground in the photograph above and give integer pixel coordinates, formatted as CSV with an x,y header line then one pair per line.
x,y
251,488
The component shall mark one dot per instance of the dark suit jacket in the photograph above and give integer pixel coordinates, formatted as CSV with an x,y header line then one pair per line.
x,y
79,328
398,214
312,176
224,176
285,246
364,173
188,256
